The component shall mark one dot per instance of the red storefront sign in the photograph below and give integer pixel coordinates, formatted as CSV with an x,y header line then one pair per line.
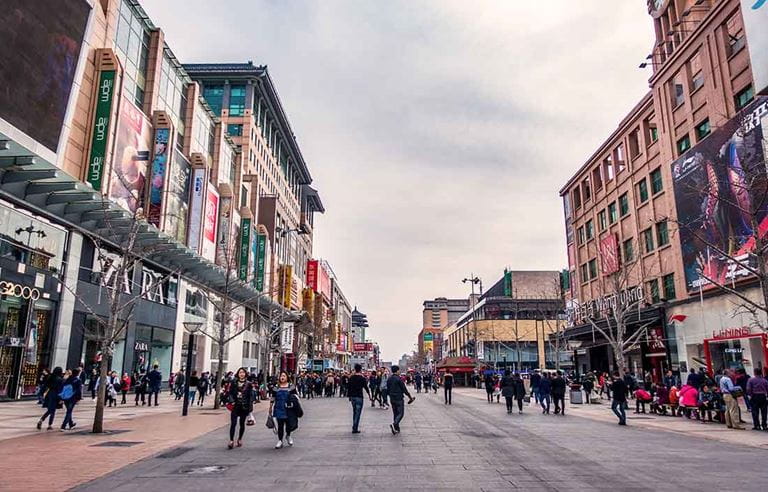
x,y
727,333
362,347
312,267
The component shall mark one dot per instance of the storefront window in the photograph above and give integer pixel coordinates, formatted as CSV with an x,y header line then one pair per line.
x,y
31,241
162,349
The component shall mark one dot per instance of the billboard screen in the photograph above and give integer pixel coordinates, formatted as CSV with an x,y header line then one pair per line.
x,y
178,198
38,59
128,179
714,186
755,14
158,175
210,221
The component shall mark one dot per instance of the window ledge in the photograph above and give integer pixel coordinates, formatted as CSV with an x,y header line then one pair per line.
x,y
658,194
674,110
662,248
694,91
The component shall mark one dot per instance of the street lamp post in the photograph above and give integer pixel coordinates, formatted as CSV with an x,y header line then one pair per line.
x,y
472,279
191,327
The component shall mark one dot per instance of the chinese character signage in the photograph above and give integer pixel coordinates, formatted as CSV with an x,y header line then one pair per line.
x,y
96,161
245,248
312,267
609,254
261,256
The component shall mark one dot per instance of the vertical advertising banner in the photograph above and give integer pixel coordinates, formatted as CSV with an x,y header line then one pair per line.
x,y
159,172
245,248
177,211
719,190
128,178
261,259
210,223
609,254
507,283
312,268
105,92
196,209
223,253
287,276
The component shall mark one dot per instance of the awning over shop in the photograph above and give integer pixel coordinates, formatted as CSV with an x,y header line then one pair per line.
x,y
649,316
33,183
457,364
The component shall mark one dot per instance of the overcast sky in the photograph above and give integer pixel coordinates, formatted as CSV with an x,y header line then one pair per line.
x,y
438,133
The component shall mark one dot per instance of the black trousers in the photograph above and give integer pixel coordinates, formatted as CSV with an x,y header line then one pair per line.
x,y
759,411
398,411
282,428
448,392
559,401
234,417
508,400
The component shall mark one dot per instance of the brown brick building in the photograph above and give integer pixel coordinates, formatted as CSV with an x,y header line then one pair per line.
x,y
621,205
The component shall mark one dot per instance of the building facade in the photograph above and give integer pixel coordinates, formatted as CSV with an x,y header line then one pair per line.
x,y
634,208
115,131
437,314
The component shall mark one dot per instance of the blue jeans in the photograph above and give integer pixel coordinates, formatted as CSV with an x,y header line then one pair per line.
x,y
357,411
70,406
192,392
618,408
544,398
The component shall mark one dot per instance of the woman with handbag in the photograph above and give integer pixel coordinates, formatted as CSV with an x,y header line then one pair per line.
x,y
282,408
240,405
51,400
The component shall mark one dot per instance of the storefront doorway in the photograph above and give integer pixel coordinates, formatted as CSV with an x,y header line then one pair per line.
x,y
740,351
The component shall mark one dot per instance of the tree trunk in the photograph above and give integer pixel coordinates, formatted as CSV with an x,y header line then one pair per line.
x,y
98,416
618,356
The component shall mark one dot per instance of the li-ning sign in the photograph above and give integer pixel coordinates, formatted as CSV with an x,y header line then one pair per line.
x,y
16,290
599,308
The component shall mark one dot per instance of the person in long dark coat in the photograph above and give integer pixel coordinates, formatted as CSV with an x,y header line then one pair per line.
x,y
508,389
51,399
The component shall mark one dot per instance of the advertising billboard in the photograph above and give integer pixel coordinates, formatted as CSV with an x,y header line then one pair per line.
x,y
715,184
40,44
323,282
105,92
128,179
261,259
158,173
196,208
177,211
362,347
312,268
245,248
210,222
223,234
755,14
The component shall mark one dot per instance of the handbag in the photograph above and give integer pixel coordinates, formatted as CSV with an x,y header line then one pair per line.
x,y
250,420
270,423
230,406
737,392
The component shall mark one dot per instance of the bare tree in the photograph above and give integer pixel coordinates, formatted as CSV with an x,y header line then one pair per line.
x,y
616,315
116,260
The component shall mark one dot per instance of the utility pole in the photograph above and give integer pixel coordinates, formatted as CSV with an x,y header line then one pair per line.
x,y
472,279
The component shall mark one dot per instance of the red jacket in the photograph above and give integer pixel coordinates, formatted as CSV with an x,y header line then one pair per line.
x,y
689,396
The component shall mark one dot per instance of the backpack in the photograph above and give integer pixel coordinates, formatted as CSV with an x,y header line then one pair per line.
x,y
67,392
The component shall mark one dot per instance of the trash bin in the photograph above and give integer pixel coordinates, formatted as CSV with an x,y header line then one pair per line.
x,y
576,397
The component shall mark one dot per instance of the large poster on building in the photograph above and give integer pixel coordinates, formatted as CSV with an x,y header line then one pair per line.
x,y
210,223
716,184
158,175
177,212
128,179
40,45
223,236
196,209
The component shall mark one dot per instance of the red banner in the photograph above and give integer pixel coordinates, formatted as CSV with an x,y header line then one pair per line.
x,y
609,254
362,347
312,267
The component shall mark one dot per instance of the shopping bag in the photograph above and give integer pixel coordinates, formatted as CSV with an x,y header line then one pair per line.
x,y
270,423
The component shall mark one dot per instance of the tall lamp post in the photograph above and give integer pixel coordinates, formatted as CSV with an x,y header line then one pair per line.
x,y
472,279
192,327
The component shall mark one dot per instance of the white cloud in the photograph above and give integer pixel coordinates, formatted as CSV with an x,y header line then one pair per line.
x,y
438,132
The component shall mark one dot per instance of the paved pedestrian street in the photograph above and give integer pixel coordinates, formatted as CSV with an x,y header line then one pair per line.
x,y
471,445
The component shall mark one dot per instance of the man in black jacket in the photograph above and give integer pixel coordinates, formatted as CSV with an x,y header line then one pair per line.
x,y
619,392
355,386
397,391
558,393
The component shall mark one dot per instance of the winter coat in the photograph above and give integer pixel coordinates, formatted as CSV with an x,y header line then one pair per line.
x,y
689,396
295,412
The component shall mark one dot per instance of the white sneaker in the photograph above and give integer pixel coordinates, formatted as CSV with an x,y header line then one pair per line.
x,y
279,445
290,441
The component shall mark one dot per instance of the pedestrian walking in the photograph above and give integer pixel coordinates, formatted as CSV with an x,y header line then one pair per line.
x,y
41,380
757,390
558,393
283,407
125,386
448,386
202,389
545,392
488,383
356,384
383,389
194,380
397,391
240,405
51,399
113,386
508,390
730,394
155,379
535,380
519,391
140,387
71,393
178,385
619,392
418,381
